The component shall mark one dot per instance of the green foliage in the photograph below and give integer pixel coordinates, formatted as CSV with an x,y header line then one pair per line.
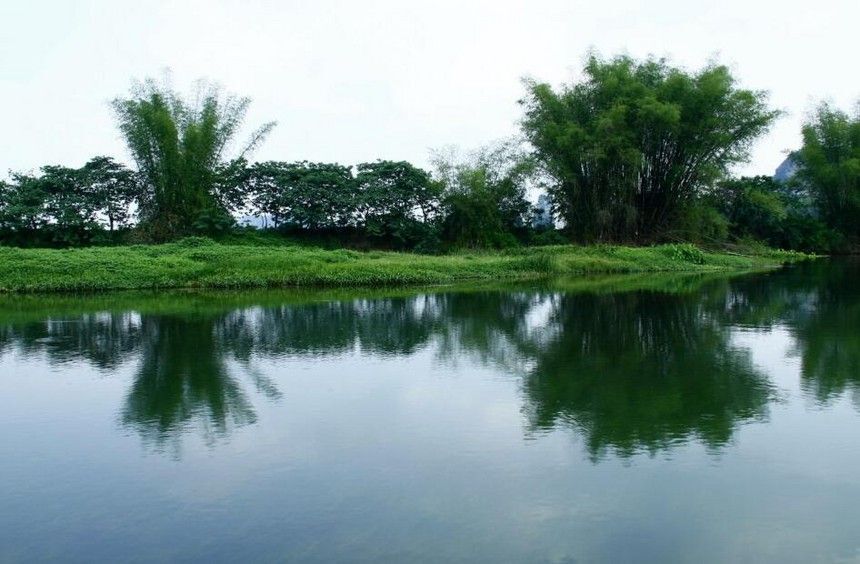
x,y
684,252
113,188
22,204
472,220
69,207
202,263
213,221
776,213
397,202
391,203
809,234
702,223
179,150
830,166
310,196
631,146
754,206
66,206
547,237
484,203
636,151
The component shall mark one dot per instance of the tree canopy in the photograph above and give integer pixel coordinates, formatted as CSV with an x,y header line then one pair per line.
x,y
830,165
67,206
631,145
179,147
636,151
484,195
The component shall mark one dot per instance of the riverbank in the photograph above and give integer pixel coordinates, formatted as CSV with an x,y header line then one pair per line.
x,y
201,263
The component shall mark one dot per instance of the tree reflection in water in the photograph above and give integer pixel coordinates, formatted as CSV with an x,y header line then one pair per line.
x,y
642,371
629,371
183,378
828,337
819,304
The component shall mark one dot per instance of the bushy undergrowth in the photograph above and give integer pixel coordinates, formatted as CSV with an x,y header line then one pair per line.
x,y
202,263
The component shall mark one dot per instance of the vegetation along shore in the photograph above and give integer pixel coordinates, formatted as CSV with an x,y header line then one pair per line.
x,y
198,262
636,152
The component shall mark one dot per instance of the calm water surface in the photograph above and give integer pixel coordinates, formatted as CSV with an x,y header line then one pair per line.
x,y
642,419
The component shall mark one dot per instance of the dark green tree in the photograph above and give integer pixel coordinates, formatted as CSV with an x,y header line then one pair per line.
x,y
484,196
70,205
830,166
66,206
22,206
754,206
631,145
179,147
55,207
112,188
397,202
777,213
304,195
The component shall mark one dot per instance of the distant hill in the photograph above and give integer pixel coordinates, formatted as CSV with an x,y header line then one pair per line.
x,y
786,169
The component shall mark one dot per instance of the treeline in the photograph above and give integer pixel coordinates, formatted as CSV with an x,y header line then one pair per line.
x,y
638,151
817,208
781,214
64,206
476,202
384,204
184,185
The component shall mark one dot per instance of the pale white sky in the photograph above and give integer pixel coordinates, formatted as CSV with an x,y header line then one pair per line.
x,y
361,80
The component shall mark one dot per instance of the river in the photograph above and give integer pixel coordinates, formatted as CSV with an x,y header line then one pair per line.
x,y
649,418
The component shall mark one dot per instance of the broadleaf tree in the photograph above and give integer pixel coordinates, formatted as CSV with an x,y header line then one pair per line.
x,y
397,201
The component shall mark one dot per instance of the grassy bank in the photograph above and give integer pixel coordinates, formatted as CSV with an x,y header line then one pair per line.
x,y
200,263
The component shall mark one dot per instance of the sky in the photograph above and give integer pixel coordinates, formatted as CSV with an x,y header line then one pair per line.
x,y
357,81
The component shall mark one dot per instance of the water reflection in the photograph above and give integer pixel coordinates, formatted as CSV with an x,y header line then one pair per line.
x,y
828,338
819,303
102,339
643,371
183,378
637,369
395,326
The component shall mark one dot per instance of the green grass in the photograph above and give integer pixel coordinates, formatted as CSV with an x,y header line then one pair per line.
x,y
202,263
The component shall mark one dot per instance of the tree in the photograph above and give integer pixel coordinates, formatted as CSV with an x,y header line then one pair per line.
x,y
70,208
178,147
630,146
396,201
22,204
113,188
67,206
829,163
777,213
484,195
54,207
753,206
312,196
